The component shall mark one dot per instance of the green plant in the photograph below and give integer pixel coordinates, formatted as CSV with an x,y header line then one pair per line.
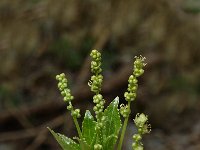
x,y
102,131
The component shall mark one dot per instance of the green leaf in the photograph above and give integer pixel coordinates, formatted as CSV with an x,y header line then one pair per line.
x,y
112,123
85,145
65,142
110,142
88,128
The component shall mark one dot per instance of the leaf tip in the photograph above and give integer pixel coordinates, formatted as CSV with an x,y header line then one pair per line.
x,y
116,101
49,129
88,114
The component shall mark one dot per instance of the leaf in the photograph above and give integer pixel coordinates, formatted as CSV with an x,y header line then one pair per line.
x,y
112,123
85,145
65,142
110,142
88,128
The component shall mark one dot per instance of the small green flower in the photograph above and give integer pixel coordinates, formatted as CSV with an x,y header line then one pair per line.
x,y
141,122
124,110
139,65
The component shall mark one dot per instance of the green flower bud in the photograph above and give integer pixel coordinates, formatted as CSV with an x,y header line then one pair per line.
x,y
73,113
99,96
62,75
102,102
137,137
57,77
65,99
63,93
98,105
98,147
100,110
134,145
137,147
95,108
69,107
59,84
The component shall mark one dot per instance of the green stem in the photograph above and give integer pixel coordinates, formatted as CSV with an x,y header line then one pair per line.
x,y
77,127
124,129
79,132
76,122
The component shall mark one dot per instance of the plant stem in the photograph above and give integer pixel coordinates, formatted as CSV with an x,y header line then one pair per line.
x,y
124,129
76,122
77,127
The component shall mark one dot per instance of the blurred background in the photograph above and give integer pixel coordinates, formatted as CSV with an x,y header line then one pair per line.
x,y
39,39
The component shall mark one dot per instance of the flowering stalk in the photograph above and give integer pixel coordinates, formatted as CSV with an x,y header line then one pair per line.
x,y
141,122
67,97
95,84
130,95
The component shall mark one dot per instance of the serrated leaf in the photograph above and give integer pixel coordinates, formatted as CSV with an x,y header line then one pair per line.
x,y
88,128
112,123
65,142
110,142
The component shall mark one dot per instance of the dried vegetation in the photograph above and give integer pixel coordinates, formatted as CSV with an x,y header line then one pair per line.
x,y
38,39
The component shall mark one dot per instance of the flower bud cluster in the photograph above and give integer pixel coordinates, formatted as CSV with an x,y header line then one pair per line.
x,y
96,80
66,93
95,83
96,63
130,95
62,85
76,113
132,88
141,122
139,65
98,147
99,101
137,146
124,110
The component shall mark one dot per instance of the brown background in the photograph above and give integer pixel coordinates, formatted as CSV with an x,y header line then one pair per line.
x,y
39,39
